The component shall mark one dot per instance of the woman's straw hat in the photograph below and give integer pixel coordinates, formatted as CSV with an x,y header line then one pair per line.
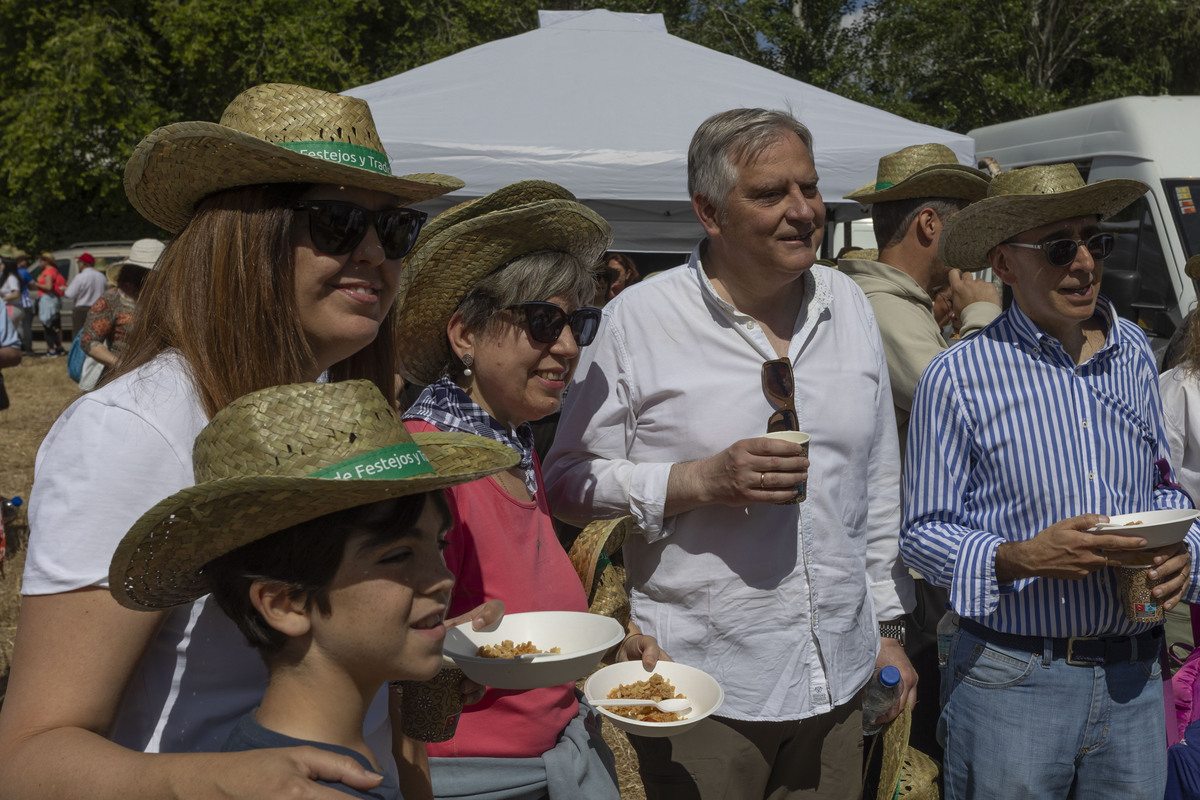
x,y
278,457
143,253
1023,199
273,133
922,170
471,241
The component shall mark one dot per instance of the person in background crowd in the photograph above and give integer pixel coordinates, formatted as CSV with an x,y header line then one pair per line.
x,y
915,192
108,323
14,288
791,607
289,231
50,286
1022,438
84,289
622,272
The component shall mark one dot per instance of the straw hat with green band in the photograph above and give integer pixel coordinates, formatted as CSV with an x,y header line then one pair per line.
x,y
922,170
272,133
1024,199
474,239
278,457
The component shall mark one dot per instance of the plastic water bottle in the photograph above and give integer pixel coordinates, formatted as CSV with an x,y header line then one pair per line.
x,y
9,508
883,691
946,628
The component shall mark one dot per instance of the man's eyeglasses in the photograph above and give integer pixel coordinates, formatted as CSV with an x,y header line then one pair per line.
x,y
336,227
1061,252
545,322
780,386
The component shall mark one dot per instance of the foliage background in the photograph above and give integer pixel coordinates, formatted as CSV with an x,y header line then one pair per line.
x,y
84,80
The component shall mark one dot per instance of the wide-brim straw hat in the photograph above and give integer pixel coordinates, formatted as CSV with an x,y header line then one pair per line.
x,y
1023,199
272,133
591,554
471,241
904,771
922,170
143,253
276,458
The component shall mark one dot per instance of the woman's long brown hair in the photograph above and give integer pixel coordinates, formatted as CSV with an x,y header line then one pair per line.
x,y
223,295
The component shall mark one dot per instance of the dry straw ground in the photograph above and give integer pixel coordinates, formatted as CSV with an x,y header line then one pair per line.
x,y
39,390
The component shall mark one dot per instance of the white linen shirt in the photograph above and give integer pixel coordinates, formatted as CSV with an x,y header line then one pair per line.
x,y
778,602
1181,415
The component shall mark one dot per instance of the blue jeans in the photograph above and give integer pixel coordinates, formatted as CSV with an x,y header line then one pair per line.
x,y
1021,724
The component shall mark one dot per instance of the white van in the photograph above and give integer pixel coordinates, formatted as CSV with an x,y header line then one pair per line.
x,y
1151,139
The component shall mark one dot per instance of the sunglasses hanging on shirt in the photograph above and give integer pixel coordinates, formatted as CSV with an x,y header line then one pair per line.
x,y
779,384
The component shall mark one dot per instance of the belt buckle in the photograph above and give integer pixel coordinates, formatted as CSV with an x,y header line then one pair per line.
x,y
1082,661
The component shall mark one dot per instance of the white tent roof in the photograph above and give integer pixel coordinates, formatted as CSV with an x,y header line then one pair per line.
x,y
606,104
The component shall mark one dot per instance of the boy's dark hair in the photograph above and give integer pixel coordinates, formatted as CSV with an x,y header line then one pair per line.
x,y
305,558
891,219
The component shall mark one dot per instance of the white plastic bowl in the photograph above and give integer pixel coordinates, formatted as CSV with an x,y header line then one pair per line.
x,y
1158,528
696,685
583,639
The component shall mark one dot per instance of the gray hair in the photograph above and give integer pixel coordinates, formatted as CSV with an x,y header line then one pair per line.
x,y
725,140
892,219
534,276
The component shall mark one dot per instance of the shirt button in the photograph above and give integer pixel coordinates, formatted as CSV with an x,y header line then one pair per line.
x,y
1091,476
750,325
1085,423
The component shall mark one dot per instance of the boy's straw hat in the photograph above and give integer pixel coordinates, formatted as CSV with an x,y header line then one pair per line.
x,y
905,772
278,457
591,555
1023,199
272,133
471,241
922,170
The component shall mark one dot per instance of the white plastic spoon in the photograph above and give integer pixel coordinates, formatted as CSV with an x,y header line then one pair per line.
x,y
672,706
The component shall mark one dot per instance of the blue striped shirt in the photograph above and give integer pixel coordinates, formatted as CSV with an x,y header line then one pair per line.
x,y
1009,436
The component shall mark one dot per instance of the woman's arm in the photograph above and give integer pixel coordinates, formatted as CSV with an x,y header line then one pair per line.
x,y
74,653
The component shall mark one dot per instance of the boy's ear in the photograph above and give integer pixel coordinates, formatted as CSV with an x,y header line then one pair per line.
x,y
280,608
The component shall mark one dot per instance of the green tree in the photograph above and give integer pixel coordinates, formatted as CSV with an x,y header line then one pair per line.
x,y
965,63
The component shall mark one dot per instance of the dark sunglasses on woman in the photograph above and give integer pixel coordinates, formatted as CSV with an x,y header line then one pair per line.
x,y
1061,252
545,322
337,227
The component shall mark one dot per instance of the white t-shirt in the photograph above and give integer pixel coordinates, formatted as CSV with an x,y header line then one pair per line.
x,y
134,438
86,287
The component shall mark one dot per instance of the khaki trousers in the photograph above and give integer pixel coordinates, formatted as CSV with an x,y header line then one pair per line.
x,y
725,759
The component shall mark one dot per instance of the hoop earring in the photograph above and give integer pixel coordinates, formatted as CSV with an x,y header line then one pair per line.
x,y
467,361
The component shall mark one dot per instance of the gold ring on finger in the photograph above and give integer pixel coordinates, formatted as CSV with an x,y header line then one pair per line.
x,y
762,481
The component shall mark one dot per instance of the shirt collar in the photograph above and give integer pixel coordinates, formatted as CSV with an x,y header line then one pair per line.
x,y
1034,338
817,295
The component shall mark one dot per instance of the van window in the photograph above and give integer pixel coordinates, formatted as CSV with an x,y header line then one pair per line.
x,y
1184,198
1136,277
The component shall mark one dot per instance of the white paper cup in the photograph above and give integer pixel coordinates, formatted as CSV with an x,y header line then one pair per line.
x,y
801,438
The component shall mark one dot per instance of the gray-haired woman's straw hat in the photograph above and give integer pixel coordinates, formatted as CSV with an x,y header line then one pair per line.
x,y
474,239
1023,199
276,458
273,133
922,170
143,253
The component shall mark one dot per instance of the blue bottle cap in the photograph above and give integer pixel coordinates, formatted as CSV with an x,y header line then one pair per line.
x,y
889,676
16,501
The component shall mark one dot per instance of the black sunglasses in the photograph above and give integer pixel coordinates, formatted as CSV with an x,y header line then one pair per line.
x,y
336,227
1061,252
545,322
780,386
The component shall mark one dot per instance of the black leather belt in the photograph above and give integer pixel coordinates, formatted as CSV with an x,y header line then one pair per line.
x,y
1080,651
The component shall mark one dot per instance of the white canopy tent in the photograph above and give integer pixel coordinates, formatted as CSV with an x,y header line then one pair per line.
x,y
606,104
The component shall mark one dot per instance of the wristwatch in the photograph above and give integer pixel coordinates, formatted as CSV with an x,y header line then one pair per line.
x,y
893,630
